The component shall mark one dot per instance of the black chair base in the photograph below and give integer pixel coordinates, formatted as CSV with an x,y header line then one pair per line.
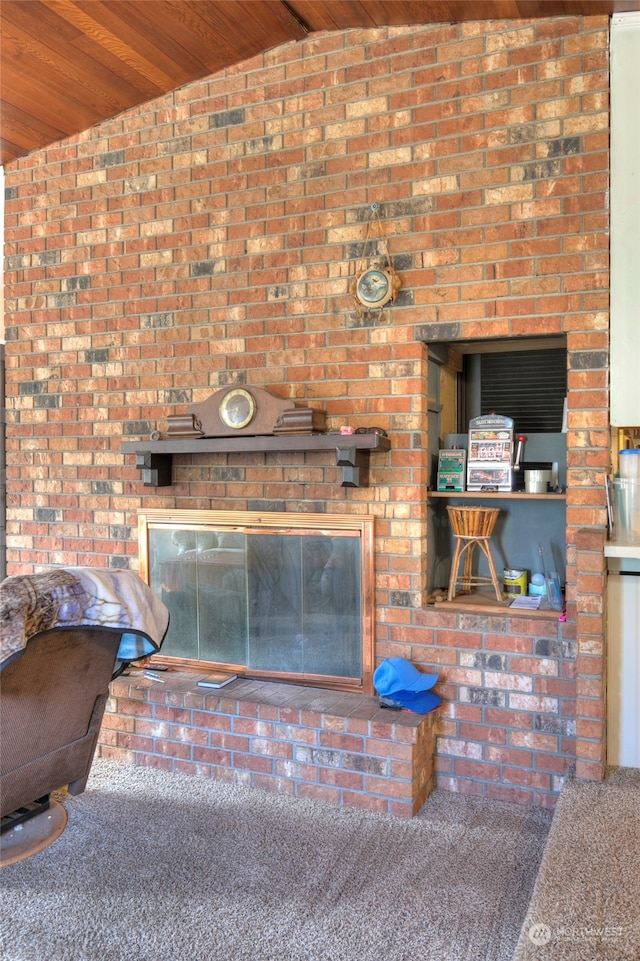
x,y
24,813
31,829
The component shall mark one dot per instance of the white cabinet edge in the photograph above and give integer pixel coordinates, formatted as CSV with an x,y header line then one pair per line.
x,y
613,549
625,223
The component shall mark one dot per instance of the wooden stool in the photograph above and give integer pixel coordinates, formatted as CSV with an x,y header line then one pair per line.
x,y
472,527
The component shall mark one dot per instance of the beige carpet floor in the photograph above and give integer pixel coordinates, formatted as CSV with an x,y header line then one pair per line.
x,y
164,867
586,901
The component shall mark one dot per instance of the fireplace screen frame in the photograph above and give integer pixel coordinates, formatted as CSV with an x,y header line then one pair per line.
x,y
254,523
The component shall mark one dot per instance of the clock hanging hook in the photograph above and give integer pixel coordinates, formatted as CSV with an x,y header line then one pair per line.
x,y
375,218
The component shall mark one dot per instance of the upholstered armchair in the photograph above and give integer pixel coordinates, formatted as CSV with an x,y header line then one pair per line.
x,y
65,634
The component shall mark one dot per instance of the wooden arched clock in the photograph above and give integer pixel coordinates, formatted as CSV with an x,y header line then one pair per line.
x,y
245,410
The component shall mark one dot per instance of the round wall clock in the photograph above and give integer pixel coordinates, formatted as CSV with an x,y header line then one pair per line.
x,y
374,287
237,408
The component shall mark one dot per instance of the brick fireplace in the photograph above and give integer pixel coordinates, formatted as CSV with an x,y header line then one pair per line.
x,y
306,591
210,238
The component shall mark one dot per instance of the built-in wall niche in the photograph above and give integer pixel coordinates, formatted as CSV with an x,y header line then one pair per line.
x,y
524,379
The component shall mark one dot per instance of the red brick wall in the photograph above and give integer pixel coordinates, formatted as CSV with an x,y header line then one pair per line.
x,y
211,236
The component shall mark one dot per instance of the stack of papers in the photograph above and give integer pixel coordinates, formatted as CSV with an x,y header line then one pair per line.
x,y
526,602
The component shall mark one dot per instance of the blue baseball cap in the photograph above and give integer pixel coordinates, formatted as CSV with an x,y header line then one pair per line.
x,y
398,681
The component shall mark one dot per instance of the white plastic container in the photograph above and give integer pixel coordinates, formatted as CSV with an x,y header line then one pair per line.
x,y
538,585
630,463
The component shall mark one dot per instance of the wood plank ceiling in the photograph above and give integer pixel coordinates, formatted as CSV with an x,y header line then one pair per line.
x,y
69,64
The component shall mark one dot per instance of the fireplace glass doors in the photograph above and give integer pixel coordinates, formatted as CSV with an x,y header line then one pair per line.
x,y
284,596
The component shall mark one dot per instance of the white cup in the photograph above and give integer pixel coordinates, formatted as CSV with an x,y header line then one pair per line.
x,y
535,481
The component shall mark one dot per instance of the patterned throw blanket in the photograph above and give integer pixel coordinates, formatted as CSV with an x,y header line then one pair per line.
x,y
76,597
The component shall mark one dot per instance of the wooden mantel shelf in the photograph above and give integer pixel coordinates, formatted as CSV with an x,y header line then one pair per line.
x,y
268,443
154,458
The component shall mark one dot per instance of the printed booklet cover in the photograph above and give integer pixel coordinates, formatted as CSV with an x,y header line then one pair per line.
x,y
216,679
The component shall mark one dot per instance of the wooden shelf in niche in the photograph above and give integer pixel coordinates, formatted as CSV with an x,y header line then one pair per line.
x,y
496,495
154,458
479,603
